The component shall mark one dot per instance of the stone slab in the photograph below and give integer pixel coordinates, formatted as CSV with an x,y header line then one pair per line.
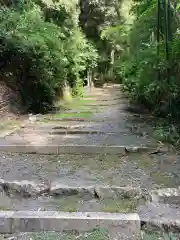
x,y
72,120
68,131
29,221
103,192
17,148
5,221
29,189
70,149
165,195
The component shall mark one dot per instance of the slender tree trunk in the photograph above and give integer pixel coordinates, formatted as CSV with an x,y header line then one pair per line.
x,y
158,35
117,9
175,6
168,38
166,24
89,77
112,55
169,17
91,83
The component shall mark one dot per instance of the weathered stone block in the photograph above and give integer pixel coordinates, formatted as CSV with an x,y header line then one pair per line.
x,y
23,188
29,221
118,192
61,190
166,195
5,221
91,149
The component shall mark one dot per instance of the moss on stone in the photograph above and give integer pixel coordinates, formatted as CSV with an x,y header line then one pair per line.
x,y
67,204
162,179
154,233
9,124
98,234
124,205
82,114
144,161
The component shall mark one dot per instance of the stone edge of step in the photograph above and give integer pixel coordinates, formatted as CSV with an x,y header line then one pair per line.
x,y
81,132
161,223
73,149
39,221
29,189
165,195
34,221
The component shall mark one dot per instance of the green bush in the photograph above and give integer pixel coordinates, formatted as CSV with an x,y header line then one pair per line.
x,y
142,71
140,79
32,51
41,56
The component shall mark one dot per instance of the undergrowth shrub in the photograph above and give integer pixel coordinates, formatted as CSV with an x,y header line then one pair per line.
x,y
140,79
40,55
31,50
142,71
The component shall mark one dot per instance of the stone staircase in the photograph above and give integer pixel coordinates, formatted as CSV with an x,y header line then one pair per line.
x,y
154,213
97,177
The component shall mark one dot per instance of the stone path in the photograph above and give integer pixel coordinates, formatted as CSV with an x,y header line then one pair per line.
x,y
111,126
96,141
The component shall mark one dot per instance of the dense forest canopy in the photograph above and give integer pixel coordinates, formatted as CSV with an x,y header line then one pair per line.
x,y
46,45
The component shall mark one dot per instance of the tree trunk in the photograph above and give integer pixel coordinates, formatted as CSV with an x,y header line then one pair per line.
x,y
112,55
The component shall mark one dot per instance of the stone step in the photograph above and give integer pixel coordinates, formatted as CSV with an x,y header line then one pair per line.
x,y
151,214
160,216
83,132
26,195
115,224
102,137
152,233
166,196
105,99
102,103
77,128
159,213
74,203
27,189
135,169
40,148
72,119
29,221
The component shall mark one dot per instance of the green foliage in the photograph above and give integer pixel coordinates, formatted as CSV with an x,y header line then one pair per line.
x,y
32,56
159,236
42,48
81,56
95,19
148,76
164,133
